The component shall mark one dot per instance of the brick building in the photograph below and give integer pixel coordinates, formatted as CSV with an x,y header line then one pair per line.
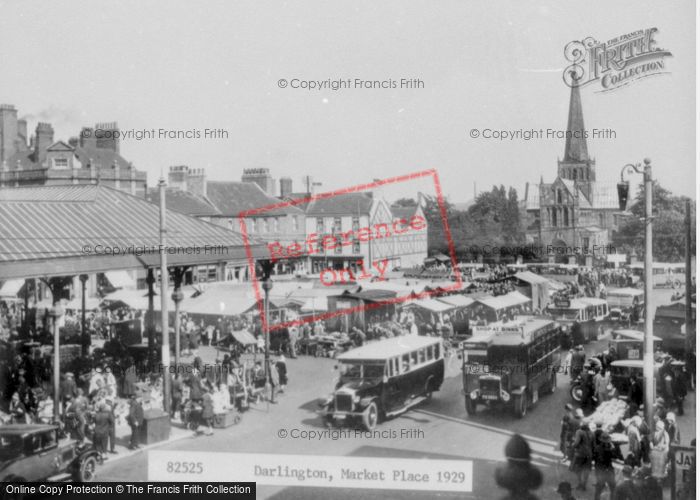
x,y
40,160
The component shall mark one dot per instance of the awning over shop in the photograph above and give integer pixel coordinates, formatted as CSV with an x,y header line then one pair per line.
x,y
456,300
539,288
504,301
11,288
120,279
76,304
315,304
221,299
432,305
244,337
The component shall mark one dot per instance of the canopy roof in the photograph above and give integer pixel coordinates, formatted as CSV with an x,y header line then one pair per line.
x,y
504,301
457,300
432,305
530,277
62,231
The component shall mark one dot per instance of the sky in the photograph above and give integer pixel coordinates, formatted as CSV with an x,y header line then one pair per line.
x,y
186,65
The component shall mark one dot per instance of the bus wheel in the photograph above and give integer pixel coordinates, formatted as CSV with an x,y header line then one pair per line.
x,y
553,383
470,405
520,405
370,417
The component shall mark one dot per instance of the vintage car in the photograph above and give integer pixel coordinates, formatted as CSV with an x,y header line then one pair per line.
x,y
383,379
34,452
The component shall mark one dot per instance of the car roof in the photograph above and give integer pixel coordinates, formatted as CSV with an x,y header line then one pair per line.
x,y
24,429
388,348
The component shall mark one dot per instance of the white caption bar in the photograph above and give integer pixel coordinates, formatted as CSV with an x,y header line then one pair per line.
x,y
311,470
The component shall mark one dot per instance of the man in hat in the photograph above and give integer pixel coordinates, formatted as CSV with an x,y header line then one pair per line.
x,y
626,490
578,359
103,421
567,431
67,389
135,421
636,392
583,454
604,473
518,475
564,490
679,385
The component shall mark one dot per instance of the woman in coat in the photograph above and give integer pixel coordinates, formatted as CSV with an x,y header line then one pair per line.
x,y
207,410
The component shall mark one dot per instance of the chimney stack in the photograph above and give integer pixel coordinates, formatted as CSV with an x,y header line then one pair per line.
x,y
44,139
8,131
285,187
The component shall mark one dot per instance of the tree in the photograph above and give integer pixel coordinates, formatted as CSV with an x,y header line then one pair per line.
x,y
668,232
493,221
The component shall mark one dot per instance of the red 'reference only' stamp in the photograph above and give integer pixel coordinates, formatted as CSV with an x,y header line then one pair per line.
x,y
353,254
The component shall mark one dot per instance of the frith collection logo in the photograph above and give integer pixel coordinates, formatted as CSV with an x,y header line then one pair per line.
x,y
615,63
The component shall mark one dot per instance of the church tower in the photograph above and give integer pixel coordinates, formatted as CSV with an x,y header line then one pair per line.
x,y
577,166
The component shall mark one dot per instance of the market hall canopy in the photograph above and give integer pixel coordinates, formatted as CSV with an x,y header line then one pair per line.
x,y
61,230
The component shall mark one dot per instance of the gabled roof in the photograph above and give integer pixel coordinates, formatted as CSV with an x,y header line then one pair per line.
x,y
403,212
59,146
183,202
342,204
604,197
232,198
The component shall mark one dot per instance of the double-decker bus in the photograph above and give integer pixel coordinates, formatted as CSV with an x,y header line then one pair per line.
x,y
510,364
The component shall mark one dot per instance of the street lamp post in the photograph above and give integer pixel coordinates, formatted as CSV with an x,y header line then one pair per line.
x,y
56,312
623,194
165,345
266,270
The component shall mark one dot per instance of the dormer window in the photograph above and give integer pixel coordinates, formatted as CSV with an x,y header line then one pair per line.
x,y
60,163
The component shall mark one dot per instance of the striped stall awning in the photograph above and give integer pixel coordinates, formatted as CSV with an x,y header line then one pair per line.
x,y
66,230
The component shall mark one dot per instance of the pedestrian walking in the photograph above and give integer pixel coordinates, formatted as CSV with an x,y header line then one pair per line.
x,y
604,471
207,410
281,367
103,422
583,455
135,421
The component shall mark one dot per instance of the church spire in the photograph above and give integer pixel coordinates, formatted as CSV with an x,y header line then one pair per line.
x,y
576,148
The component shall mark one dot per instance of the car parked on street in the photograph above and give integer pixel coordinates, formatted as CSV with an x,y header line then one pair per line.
x,y
34,452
